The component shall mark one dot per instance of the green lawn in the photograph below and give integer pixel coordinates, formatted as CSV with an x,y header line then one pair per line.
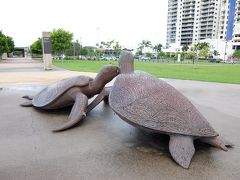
x,y
213,72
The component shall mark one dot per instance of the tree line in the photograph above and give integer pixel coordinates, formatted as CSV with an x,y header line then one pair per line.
x,y
63,44
6,44
196,51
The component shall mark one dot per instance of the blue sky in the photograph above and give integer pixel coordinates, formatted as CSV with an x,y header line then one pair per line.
x,y
91,21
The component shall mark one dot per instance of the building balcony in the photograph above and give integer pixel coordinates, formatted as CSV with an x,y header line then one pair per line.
x,y
171,33
209,5
185,21
187,33
171,25
187,29
206,19
187,16
171,29
186,41
204,29
186,37
236,39
207,14
173,4
205,36
172,10
187,25
188,13
172,19
210,23
201,34
189,8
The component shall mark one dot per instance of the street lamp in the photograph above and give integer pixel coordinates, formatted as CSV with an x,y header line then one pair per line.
x,y
80,42
74,50
225,51
98,34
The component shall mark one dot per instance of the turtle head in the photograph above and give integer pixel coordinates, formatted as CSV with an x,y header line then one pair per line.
x,y
126,62
107,73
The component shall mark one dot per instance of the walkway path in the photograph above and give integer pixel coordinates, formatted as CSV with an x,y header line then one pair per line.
x,y
27,71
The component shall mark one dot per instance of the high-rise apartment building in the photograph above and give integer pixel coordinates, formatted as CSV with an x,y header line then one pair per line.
x,y
190,21
173,21
236,28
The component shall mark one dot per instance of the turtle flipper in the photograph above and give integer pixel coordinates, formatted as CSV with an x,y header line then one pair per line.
x,y
218,142
28,97
182,149
77,113
102,96
27,104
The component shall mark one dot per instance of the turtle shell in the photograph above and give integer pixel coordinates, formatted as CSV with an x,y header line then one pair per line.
x,y
52,92
150,103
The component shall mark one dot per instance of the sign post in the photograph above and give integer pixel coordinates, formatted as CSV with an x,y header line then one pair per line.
x,y
47,50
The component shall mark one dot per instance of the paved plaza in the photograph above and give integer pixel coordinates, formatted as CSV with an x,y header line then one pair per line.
x,y
103,146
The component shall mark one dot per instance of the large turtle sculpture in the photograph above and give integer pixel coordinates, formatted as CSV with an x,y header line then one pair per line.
x,y
72,91
152,104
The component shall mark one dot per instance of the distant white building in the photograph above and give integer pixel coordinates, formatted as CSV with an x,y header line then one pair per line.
x,y
212,21
224,48
236,28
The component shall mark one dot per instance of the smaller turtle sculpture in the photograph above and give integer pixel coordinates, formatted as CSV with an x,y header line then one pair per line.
x,y
153,105
72,91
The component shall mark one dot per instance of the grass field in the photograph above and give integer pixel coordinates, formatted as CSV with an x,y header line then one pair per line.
x,y
212,72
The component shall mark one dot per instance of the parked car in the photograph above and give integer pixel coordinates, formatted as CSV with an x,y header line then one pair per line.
x,y
145,58
136,57
229,62
57,57
215,60
111,58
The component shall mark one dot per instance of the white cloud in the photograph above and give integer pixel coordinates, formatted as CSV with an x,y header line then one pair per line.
x,y
123,20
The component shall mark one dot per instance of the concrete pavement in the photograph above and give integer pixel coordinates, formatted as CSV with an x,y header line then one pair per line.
x,y
27,71
103,146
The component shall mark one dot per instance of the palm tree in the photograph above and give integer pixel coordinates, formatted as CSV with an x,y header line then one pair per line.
x,y
107,46
158,48
117,48
145,44
184,50
140,49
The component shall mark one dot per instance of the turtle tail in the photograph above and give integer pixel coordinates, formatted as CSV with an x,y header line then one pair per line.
x,y
27,104
27,97
218,142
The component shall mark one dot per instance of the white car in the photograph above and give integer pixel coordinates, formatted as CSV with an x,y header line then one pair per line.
x,y
111,58
145,58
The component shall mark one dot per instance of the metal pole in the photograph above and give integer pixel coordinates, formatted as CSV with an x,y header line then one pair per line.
x,y
74,52
98,29
225,51
80,42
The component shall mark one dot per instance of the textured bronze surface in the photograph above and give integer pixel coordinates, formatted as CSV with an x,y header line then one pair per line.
x,y
152,104
73,91
55,90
